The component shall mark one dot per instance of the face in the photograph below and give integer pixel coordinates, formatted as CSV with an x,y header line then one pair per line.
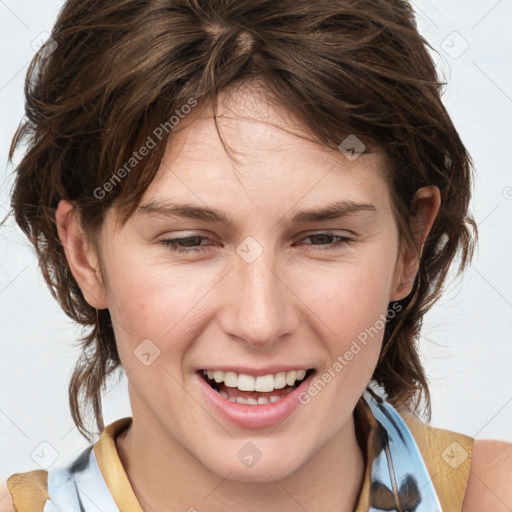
x,y
267,290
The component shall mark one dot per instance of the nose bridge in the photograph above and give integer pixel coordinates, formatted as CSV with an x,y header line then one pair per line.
x,y
259,310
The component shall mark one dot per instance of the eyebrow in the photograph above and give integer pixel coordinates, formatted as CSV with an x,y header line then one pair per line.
x,y
336,210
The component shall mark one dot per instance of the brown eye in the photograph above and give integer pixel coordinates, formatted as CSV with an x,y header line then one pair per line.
x,y
186,244
324,241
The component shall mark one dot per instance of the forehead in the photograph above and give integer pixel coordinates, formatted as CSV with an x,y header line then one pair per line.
x,y
262,153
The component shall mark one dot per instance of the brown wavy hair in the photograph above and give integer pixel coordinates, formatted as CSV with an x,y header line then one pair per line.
x,y
115,70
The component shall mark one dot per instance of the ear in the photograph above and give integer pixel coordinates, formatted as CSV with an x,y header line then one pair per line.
x,y
425,206
82,258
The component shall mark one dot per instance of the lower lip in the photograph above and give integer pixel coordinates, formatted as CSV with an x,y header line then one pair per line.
x,y
254,416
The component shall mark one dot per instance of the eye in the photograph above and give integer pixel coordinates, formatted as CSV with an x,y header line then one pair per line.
x,y
193,243
186,244
325,238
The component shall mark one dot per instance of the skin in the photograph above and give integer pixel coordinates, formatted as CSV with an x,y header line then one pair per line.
x,y
214,308
178,453
295,303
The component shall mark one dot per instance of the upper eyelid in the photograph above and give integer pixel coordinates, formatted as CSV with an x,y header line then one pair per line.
x,y
343,232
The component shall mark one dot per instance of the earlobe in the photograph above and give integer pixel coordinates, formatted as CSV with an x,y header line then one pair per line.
x,y
81,257
425,206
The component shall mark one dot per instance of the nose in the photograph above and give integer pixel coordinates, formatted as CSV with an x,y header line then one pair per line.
x,y
260,306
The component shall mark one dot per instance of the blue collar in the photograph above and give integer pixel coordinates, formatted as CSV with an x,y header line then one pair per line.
x,y
399,479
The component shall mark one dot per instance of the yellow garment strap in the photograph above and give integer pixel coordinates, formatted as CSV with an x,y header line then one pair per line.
x,y
447,456
29,491
112,468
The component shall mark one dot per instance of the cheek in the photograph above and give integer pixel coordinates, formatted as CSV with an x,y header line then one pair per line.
x,y
169,302
153,301
348,298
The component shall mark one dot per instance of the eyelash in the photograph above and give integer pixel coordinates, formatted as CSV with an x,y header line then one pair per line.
x,y
172,243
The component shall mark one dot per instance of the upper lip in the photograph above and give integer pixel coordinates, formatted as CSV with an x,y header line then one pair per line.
x,y
257,372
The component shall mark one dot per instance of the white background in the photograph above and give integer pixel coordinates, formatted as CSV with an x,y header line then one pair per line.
x,y
467,340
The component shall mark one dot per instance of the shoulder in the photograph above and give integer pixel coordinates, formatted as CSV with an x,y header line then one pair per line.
x,y
6,504
28,489
490,477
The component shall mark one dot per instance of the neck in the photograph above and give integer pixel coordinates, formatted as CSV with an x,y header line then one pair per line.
x,y
164,475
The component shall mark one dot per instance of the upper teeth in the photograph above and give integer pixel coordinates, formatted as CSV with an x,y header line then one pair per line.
x,y
263,383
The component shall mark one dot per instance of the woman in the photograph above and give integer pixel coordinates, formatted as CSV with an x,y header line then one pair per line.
x,y
251,205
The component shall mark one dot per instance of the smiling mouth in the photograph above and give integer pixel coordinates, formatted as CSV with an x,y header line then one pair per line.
x,y
249,390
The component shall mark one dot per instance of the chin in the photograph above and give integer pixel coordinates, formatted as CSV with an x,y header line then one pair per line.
x,y
258,461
